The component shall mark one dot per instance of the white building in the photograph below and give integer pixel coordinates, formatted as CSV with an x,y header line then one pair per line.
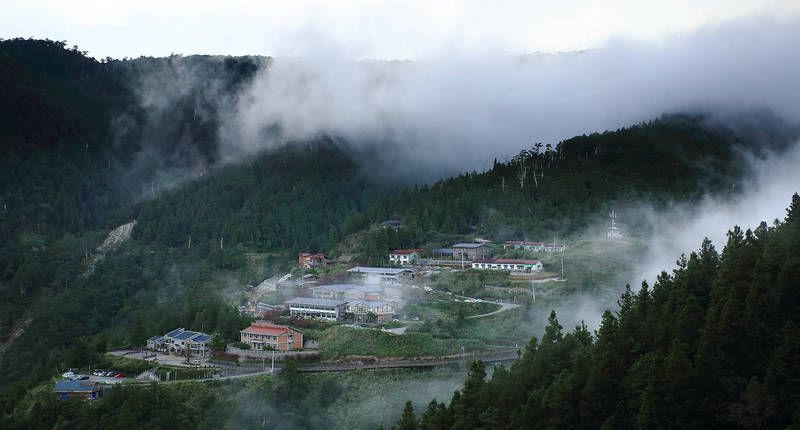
x,y
383,274
509,265
312,307
178,341
383,311
404,257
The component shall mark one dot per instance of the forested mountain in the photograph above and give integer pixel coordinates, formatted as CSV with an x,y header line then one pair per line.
x,y
567,189
714,344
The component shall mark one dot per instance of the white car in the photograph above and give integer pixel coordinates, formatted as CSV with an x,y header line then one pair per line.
x,y
69,375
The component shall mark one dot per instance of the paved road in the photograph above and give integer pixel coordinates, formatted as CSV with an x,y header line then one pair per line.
x,y
503,307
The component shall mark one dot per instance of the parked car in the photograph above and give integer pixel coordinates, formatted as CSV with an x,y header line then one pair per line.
x,y
81,377
110,373
68,374
119,375
98,372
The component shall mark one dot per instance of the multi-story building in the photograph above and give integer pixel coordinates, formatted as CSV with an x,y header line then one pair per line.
x,y
262,335
312,307
178,341
347,292
383,311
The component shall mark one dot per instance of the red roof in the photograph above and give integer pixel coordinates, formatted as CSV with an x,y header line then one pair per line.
x,y
405,251
274,331
505,261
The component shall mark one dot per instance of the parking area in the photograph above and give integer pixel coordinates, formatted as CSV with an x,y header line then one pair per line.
x,y
160,357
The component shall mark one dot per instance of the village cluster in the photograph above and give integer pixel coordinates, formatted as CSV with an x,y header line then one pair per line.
x,y
374,294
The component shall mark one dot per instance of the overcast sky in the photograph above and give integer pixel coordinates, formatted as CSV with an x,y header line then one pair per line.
x,y
363,28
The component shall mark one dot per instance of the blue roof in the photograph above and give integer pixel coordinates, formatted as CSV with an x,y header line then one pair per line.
x,y
186,335
443,250
469,245
202,338
345,287
76,386
154,338
174,333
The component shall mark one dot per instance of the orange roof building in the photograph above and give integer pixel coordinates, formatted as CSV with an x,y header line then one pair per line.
x,y
262,335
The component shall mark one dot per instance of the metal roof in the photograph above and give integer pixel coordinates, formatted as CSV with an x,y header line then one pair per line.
x,y
174,333
203,338
186,335
74,386
345,287
314,301
379,270
469,245
154,338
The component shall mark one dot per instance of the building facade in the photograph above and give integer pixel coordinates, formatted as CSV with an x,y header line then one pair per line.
x,y
382,274
555,247
471,251
347,292
263,335
404,257
524,245
383,311
86,390
179,341
509,265
309,260
312,307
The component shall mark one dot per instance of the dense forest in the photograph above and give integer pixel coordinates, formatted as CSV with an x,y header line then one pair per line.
x,y
569,189
714,344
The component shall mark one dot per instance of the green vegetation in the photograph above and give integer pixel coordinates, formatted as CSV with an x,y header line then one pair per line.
x,y
290,400
339,342
712,345
448,309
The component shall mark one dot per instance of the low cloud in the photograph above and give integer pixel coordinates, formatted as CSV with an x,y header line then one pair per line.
x,y
457,111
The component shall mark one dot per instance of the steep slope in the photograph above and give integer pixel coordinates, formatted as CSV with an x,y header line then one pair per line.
x,y
711,345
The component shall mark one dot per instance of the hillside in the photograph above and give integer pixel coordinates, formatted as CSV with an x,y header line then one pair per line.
x,y
568,190
711,345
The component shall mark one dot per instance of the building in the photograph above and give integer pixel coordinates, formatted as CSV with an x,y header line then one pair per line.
x,y
383,311
524,245
87,390
555,247
347,292
178,341
382,274
509,265
309,260
443,253
404,257
263,334
471,251
312,307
